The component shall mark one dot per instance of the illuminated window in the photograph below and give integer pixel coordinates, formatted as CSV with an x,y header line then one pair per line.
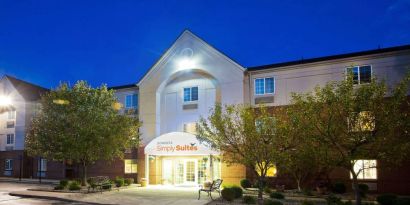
x,y
362,121
264,86
191,94
11,115
10,139
130,166
361,74
41,167
271,170
131,101
366,169
190,128
8,165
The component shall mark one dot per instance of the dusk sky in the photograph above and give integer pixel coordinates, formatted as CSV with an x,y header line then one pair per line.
x,y
116,42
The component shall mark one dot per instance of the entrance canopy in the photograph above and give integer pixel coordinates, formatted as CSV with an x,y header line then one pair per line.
x,y
178,144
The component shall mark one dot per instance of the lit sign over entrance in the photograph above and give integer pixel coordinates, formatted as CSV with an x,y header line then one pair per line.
x,y
178,143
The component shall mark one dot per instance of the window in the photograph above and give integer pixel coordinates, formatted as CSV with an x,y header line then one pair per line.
x,y
362,121
42,165
8,165
366,169
11,115
10,124
190,127
191,94
130,166
264,86
361,74
10,139
131,101
271,172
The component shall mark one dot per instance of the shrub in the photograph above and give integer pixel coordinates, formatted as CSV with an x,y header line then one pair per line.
x,y
387,199
59,187
74,185
237,191
63,183
363,189
119,181
276,195
403,201
245,183
306,202
339,188
249,200
267,190
228,194
128,181
271,202
307,192
333,200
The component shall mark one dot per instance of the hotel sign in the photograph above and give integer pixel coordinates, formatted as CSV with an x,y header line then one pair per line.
x,y
178,143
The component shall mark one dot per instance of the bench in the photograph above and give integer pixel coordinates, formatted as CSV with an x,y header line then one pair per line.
x,y
215,186
99,183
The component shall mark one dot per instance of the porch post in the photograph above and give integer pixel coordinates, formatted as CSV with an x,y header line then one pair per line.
x,y
147,168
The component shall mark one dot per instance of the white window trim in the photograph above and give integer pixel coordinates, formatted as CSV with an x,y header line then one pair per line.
x,y
264,86
358,74
132,102
14,139
190,90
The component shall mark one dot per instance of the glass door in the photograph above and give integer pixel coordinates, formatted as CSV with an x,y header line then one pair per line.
x,y
190,171
167,169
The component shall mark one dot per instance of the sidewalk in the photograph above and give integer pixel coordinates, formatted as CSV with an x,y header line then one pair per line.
x,y
55,196
29,181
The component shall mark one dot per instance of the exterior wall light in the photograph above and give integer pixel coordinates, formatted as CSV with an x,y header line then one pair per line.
x,y
5,100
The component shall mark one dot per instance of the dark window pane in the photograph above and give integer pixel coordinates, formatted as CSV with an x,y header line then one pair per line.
x,y
194,93
365,74
355,72
187,94
269,85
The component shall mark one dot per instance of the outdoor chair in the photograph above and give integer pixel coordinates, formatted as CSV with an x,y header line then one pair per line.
x,y
99,183
215,186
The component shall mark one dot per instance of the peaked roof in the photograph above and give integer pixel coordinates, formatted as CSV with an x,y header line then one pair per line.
x,y
29,91
184,33
332,57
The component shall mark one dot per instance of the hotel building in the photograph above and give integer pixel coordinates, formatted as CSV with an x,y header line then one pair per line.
x,y
188,79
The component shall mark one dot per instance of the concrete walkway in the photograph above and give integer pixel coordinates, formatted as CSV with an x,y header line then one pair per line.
x,y
152,195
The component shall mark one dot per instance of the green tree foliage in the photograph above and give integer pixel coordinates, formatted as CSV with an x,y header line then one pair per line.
x,y
82,124
351,122
246,136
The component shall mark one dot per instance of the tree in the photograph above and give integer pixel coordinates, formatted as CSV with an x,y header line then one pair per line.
x,y
81,124
367,121
244,135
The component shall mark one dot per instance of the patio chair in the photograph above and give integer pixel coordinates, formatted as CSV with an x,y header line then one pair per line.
x,y
215,186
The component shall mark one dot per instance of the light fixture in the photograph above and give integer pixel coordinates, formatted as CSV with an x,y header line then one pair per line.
x,y
185,63
5,100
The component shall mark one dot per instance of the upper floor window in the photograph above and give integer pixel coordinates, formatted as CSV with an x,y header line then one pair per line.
x,y
11,115
8,165
131,101
264,86
361,74
366,169
363,121
10,139
191,94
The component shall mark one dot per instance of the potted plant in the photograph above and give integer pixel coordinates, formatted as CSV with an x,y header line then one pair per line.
x,y
207,184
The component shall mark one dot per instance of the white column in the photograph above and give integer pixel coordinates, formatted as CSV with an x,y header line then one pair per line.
x,y
147,168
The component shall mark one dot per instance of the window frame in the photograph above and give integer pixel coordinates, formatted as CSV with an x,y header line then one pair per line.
x,y
190,94
10,136
11,116
358,73
42,163
361,175
264,86
131,165
8,165
132,106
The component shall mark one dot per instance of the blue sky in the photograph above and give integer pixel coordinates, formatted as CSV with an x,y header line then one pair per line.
x,y
116,42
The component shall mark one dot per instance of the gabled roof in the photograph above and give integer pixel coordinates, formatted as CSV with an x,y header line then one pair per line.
x,y
29,91
123,86
184,33
332,57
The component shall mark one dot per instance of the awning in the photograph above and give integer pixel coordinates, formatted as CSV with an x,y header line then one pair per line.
x,y
178,144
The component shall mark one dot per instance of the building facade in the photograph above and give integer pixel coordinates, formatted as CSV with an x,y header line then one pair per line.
x,y
188,79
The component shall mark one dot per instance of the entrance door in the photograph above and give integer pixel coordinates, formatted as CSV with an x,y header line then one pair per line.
x,y
190,171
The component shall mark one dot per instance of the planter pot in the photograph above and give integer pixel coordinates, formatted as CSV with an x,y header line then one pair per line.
x,y
143,182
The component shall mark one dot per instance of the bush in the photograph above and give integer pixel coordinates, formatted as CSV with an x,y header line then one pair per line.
x,y
63,183
403,201
307,192
245,183
59,187
271,202
363,189
128,181
267,190
249,200
74,185
306,202
276,195
228,194
237,191
387,199
339,188
333,200
119,181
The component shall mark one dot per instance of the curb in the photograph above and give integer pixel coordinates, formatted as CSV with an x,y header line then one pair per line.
x,y
53,198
